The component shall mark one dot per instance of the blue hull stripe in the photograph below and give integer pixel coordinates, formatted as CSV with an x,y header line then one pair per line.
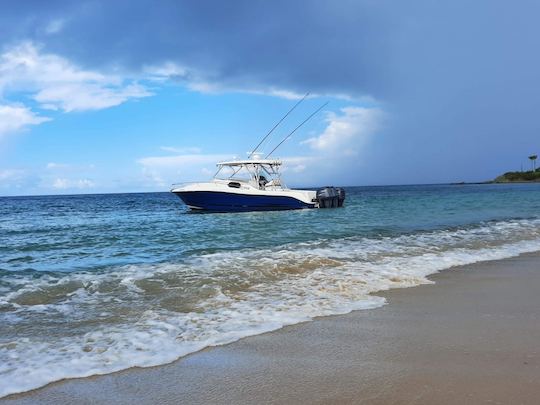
x,y
226,202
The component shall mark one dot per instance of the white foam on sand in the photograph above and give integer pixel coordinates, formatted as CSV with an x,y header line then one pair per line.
x,y
233,295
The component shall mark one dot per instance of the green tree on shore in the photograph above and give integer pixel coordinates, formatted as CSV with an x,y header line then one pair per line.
x,y
533,161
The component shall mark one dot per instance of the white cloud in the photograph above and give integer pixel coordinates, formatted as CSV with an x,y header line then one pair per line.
x,y
63,176
297,164
347,131
180,161
85,183
56,83
153,178
67,168
53,165
87,96
15,181
52,177
11,174
55,26
166,71
15,117
216,88
196,80
63,184
185,150
162,171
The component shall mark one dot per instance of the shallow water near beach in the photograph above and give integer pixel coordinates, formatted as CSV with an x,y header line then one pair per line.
x,y
98,283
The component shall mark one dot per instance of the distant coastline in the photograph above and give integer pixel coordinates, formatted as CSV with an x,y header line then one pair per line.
x,y
519,177
531,176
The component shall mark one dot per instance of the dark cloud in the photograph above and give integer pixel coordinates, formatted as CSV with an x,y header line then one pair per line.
x,y
459,78
321,45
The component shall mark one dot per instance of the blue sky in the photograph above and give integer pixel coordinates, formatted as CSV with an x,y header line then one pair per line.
x,y
133,96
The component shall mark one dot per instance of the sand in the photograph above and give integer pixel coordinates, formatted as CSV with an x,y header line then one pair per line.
x,y
472,337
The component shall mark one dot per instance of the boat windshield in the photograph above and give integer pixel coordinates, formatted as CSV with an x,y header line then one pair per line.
x,y
258,174
234,173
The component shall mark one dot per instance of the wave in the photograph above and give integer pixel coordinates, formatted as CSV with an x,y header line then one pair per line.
x,y
147,315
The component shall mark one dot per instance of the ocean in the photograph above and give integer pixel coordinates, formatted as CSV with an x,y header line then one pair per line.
x,y
92,284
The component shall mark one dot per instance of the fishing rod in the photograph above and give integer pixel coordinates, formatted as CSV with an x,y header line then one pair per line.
x,y
294,130
275,126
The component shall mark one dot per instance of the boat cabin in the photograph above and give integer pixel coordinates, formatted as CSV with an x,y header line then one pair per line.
x,y
258,173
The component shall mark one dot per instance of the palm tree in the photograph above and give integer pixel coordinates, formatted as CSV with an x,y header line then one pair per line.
x,y
533,160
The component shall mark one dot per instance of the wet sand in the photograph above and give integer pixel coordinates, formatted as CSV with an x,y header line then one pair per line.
x,y
473,337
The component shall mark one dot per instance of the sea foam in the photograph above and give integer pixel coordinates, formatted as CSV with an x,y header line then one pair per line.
x,y
146,315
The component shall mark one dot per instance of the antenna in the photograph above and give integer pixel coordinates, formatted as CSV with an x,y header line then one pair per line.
x,y
294,130
275,126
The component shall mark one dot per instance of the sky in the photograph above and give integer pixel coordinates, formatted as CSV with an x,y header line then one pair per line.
x,y
128,96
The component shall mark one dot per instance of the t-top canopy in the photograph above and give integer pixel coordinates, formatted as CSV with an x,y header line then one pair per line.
x,y
269,162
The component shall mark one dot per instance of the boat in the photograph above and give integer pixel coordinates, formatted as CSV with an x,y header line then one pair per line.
x,y
255,184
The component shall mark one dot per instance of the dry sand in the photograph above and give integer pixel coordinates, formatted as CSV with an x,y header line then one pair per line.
x,y
471,338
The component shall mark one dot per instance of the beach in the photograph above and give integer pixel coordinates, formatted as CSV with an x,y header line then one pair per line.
x,y
302,202
471,337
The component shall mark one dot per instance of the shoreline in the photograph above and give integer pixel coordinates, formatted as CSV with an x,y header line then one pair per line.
x,y
471,336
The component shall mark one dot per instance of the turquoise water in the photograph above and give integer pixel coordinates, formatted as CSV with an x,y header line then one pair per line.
x,y
97,283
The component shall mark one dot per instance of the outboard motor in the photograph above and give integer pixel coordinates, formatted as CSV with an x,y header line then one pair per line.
x,y
330,197
341,196
327,197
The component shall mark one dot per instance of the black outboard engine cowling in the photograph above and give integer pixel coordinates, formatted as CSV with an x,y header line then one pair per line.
x,y
341,196
330,197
